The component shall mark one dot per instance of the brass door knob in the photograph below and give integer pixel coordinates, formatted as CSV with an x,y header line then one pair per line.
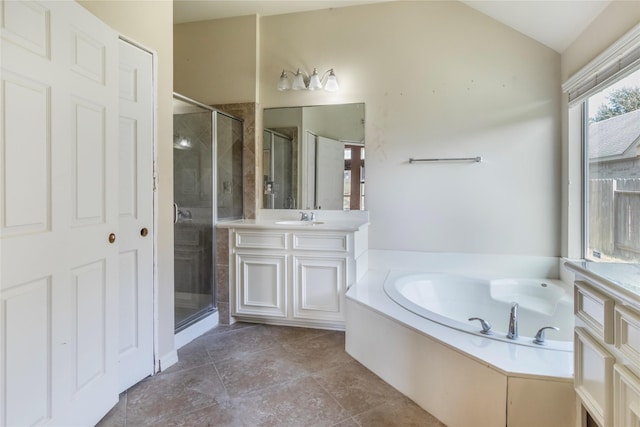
x,y
144,232
112,237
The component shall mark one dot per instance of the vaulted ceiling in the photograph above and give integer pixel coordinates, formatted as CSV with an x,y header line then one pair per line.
x,y
554,23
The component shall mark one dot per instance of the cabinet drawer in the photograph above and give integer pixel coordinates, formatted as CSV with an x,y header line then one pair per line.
x,y
595,310
320,242
628,334
261,240
593,376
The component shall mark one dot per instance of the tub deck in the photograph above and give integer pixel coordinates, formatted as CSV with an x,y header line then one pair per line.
x,y
460,378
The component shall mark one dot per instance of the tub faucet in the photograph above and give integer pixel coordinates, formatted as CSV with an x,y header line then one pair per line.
x,y
539,338
513,322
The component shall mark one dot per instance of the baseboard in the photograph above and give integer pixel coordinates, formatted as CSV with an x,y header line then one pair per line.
x,y
168,359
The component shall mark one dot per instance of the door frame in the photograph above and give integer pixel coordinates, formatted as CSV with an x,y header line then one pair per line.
x,y
154,155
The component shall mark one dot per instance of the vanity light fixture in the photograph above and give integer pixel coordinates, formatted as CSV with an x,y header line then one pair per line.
x,y
302,81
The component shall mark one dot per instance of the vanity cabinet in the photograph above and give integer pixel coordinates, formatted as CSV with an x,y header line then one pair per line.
x,y
293,277
607,353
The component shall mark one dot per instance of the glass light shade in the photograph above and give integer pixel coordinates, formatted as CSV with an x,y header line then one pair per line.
x,y
283,83
314,81
332,83
298,81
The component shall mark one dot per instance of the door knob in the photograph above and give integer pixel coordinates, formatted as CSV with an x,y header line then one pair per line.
x,y
112,237
144,232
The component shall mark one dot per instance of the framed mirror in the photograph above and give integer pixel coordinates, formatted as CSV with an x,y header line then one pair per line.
x,y
313,157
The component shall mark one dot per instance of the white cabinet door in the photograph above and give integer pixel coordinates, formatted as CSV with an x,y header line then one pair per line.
x,y
135,308
626,411
58,192
318,288
261,284
594,376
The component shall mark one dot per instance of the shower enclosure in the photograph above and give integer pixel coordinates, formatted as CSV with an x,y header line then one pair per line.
x,y
206,141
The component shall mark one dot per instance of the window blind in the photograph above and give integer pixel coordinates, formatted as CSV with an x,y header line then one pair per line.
x,y
619,60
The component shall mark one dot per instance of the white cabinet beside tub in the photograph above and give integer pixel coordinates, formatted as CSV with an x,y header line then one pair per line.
x,y
607,346
293,277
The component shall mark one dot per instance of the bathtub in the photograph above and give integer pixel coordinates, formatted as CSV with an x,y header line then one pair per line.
x,y
451,300
407,321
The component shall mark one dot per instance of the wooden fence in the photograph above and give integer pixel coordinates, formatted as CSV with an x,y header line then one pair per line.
x,y
614,218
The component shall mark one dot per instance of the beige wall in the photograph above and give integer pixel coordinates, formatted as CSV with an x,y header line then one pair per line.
x,y
215,62
150,23
438,79
616,20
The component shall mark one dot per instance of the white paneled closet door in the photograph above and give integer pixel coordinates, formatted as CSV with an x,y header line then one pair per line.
x,y
135,349
59,216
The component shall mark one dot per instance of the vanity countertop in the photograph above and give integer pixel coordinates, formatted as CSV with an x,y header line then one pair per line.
x,y
276,224
289,219
621,278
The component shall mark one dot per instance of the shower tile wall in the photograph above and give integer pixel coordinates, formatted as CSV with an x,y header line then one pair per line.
x,y
229,164
252,149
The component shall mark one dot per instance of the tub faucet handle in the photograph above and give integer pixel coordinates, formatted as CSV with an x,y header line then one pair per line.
x,y
486,326
539,338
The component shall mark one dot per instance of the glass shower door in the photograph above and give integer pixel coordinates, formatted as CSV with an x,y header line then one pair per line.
x,y
193,212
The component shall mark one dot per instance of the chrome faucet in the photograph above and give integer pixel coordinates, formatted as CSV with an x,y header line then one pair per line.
x,y
513,322
304,216
539,338
486,326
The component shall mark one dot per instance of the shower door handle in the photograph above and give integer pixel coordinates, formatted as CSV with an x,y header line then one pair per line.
x,y
175,213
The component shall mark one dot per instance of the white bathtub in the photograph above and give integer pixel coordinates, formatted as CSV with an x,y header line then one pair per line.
x,y
451,299
438,359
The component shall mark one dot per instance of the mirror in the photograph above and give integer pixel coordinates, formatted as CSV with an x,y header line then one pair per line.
x,y
313,157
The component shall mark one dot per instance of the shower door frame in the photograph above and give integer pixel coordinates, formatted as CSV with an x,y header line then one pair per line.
x,y
203,313
214,205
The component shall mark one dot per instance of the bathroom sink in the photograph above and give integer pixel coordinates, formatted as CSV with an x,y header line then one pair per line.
x,y
299,222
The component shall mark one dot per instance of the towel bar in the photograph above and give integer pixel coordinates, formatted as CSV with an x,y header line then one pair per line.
x,y
450,159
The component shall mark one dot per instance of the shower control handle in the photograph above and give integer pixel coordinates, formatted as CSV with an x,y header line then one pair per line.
x,y
486,326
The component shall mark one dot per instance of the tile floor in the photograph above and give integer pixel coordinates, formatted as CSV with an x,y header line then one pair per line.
x,y
259,375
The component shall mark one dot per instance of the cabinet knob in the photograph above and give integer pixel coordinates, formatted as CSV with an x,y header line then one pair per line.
x,y
112,237
144,232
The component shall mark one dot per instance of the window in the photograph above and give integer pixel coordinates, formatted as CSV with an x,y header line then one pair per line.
x,y
612,171
601,210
